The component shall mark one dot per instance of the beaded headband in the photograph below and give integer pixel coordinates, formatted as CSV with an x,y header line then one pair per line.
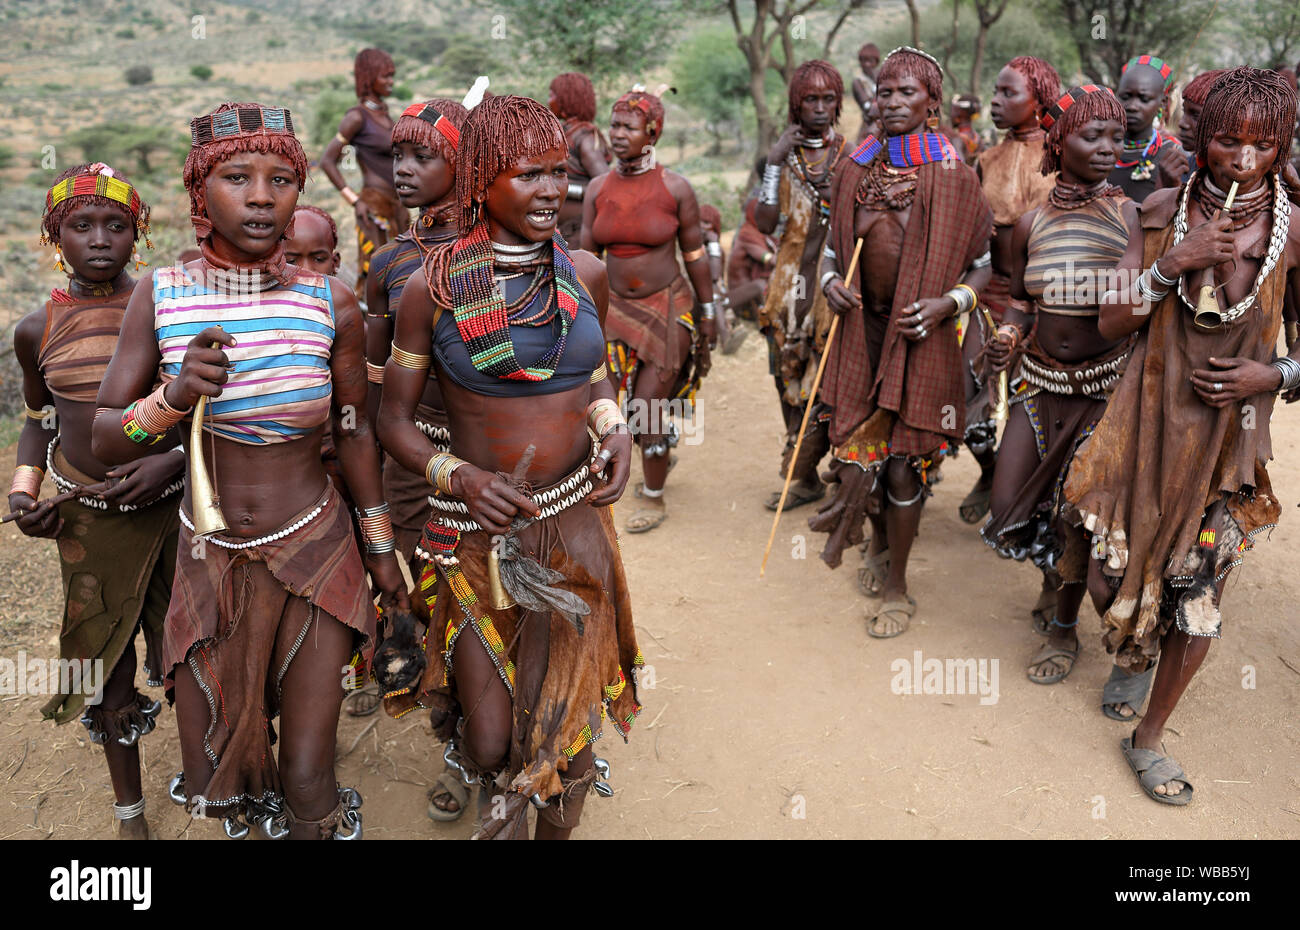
x,y
1067,100
914,51
1165,69
242,121
101,183
428,113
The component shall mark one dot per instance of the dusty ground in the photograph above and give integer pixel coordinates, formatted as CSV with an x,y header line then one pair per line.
x,y
772,714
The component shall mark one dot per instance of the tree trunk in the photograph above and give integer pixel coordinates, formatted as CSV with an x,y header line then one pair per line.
x,y
913,12
981,38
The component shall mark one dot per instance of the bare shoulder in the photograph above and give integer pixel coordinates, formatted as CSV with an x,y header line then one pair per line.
x,y
346,309
677,185
595,185
28,333
591,270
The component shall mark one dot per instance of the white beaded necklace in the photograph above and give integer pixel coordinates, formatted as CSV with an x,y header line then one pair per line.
x,y
261,540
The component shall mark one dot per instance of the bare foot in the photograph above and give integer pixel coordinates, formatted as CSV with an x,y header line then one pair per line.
x,y
137,828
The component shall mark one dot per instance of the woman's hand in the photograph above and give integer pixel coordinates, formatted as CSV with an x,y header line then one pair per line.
x,y
143,479
840,299
792,136
709,331
998,352
203,370
42,520
703,353
386,577
615,471
363,215
1203,247
492,502
924,316
1172,166
1232,379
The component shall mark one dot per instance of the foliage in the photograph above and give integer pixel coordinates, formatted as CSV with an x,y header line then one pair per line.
x,y
139,74
1270,35
403,92
135,147
466,59
202,72
327,111
419,42
127,33
611,41
713,82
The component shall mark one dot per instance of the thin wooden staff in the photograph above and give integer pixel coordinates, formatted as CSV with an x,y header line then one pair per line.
x,y
92,490
812,397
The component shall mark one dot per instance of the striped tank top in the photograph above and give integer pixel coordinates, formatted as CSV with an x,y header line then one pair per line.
x,y
79,340
280,387
1072,255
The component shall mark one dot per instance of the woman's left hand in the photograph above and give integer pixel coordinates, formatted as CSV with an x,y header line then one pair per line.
x,y
1232,379
615,471
386,576
1172,165
144,479
923,317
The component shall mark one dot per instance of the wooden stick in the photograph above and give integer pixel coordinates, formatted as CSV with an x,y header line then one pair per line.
x,y
92,490
812,396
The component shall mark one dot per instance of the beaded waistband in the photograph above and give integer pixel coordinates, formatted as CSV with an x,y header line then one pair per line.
x,y
65,484
440,436
553,499
229,542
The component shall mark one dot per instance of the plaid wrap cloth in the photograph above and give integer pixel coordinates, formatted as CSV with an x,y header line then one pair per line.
x,y
949,227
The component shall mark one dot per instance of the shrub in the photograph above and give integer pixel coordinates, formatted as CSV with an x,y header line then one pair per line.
x,y
202,72
139,74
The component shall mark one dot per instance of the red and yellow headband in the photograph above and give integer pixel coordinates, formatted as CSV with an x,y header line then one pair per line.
x,y
102,183
431,115
1067,100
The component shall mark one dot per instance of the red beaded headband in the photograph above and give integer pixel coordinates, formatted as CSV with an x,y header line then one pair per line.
x,y
429,114
1165,69
1067,100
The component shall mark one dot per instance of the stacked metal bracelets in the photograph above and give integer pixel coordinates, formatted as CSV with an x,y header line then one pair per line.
x,y
27,480
831,275
714,249
439,468
604,416
1012,330
708,310
1288,367
770,193
1144,288
374,373
149,419
964,296
410,359
377,529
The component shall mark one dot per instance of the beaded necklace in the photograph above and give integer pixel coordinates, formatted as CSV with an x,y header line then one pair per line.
x,y
481,314
1142,164
1066,196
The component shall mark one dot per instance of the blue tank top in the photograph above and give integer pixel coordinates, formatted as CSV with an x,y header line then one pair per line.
x,y
584,349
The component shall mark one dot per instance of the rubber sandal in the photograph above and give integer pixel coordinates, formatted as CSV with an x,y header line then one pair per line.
x,y
450,785
1123,688
364,701
907,608
872,574
654,518
975,506
797,497
1046,654
1041,614
1153,768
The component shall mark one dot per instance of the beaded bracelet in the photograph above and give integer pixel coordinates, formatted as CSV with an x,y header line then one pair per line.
x,y
439,469
27,480
374,373
133,430
411,360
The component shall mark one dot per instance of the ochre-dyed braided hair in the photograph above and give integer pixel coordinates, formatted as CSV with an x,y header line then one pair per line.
x,y
1198,88
203,157
497,133
1264,101
711,218
913,63
1044,83
422,132
313,209
810,74
369,64
648,105
54,216
1087,103
574,96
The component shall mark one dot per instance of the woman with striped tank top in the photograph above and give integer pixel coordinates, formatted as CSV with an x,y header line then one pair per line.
x,y
1061,259
265,615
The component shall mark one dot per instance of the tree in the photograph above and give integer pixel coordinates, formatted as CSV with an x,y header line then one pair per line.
x,y
774,20
1271,34
988,12
1107,33
202,72
607,40
713,79
116,144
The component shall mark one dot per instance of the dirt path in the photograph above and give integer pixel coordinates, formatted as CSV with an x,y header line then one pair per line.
x,y
772,713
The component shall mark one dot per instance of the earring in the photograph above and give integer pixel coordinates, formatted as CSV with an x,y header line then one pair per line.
x,y
58,260
933,120
135,257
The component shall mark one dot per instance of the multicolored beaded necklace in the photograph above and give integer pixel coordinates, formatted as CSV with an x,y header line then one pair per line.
x,y
482,316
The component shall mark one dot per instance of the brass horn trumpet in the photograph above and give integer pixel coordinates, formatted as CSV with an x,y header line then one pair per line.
x,y
208,519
